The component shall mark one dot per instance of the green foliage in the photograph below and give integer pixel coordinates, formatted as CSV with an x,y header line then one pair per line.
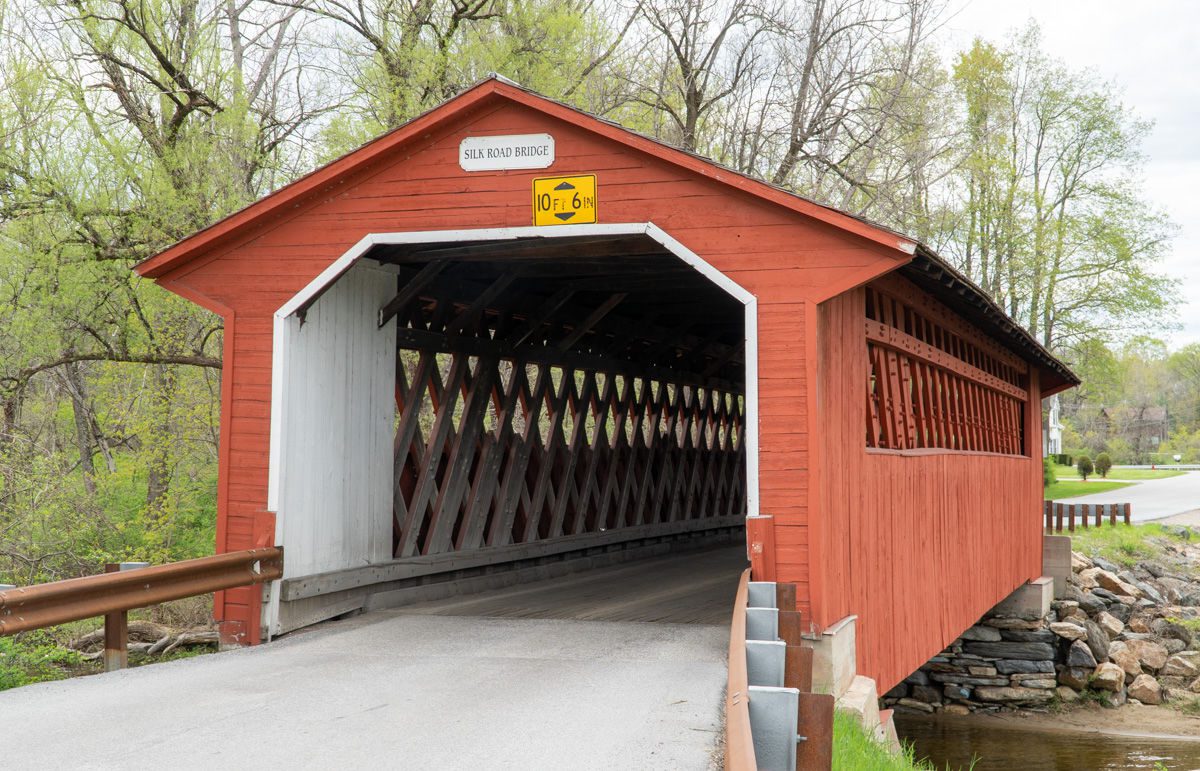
x,y
855,750
1048,477
35,658
1084,466
1103,464
1124,544
1067,488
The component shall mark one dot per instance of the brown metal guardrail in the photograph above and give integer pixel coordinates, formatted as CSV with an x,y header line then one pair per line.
x,y
114,593
1056,512
790,667
739,745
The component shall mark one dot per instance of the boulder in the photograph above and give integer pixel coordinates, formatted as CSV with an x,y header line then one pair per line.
x,y
1074,677
1030,651
1066,695
1034,681
1080,562
1026,635
1138,625
899,692
1106,595
1108,677
914,706
1076,616
1069,631
1170,630
1150,593
1000,695
1145,689
917,678
981,671
956,709
1126,659
1186,664
1174,646
1111,625
1087,578
1190,599
1014,667
1114,584
956,692
1151,655
1104,564
1195,686
1080,655
1092,605
1013,623
1121,612
927,694
982,634
1097,640
950,677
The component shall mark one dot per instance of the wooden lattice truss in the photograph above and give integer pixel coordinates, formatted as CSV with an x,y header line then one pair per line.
x,y
936,382
540,398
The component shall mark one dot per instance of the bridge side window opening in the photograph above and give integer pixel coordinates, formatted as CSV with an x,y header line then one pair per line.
x,y
935,382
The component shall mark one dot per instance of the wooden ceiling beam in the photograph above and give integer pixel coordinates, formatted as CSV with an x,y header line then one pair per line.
x,y
410,290
590,321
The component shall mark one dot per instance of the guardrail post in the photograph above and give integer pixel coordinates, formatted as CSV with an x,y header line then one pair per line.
x,y
116,625
116,633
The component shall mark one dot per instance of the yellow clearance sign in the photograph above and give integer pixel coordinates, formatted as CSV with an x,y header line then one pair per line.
x,y
564,200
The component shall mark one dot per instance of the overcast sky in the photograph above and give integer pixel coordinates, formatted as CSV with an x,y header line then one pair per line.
x,y
1149,49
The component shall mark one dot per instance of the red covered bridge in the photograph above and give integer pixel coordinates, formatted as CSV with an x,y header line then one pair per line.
x,y
509,332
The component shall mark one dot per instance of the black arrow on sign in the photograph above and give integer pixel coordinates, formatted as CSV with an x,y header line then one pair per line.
x,y
565,215
565,186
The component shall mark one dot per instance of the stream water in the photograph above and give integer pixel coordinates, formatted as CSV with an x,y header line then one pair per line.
x,y
952,743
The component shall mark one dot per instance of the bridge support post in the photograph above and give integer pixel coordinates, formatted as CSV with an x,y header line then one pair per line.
x,y
1056,561
1030,600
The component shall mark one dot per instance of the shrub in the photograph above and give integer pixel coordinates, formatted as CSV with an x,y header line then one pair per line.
x,y
1103,464
1063,459
1048,477
1084,464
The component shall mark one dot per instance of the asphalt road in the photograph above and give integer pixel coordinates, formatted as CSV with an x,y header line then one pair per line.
x,y
460,684
1153,498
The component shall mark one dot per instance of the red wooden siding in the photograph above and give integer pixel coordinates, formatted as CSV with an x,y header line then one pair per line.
x,y
917,543
787,260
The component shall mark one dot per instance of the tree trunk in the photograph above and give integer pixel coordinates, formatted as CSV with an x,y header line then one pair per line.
x,y
84,439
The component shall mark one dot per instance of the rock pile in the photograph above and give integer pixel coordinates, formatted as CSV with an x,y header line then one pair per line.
x,y
1122,634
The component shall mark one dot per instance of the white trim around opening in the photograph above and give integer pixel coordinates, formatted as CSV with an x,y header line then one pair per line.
x,y
340,266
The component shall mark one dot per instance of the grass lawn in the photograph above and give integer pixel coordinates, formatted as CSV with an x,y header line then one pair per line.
x,y
1123,544
1129,474
1071,488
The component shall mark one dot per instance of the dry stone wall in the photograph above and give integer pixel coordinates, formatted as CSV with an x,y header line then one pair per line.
x,y
1122,634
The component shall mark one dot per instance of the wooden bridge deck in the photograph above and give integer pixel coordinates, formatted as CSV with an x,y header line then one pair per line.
x,y
688,588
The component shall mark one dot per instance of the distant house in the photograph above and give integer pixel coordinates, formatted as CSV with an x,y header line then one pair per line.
x,y
1052,427
1145,428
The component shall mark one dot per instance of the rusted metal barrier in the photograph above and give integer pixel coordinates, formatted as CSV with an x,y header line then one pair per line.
x,y
1057,512
117,591
773,722
739,744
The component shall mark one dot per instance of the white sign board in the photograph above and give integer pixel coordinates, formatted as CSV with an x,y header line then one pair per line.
x,y
513,151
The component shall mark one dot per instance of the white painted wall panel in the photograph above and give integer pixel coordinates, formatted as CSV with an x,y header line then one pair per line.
x,y
334,385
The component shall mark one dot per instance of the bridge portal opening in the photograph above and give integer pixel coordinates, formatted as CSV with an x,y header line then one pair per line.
x,y
446,407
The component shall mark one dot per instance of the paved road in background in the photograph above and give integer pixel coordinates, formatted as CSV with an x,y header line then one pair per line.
x,y
1153,498
415,690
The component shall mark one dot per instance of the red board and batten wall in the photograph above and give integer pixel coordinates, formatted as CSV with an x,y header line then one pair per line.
x,y
793,255
918,544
